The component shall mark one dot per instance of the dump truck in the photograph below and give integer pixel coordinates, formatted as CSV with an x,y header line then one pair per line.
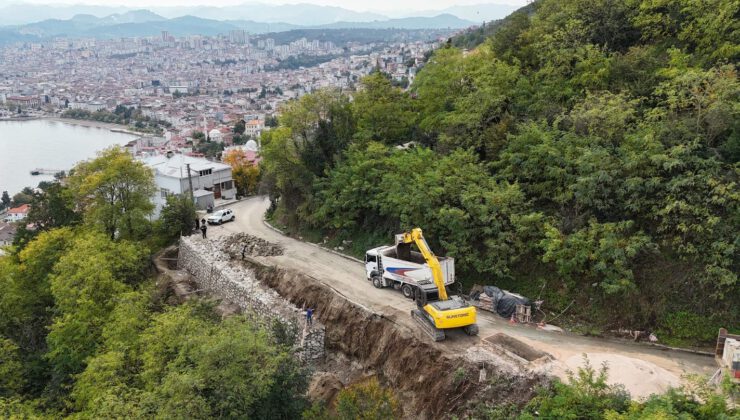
x,y
426,277
403,269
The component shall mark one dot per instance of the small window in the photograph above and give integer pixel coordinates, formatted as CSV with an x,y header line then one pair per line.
x,y
371,258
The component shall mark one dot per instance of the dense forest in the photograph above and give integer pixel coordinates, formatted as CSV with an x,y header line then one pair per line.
x,y
585,152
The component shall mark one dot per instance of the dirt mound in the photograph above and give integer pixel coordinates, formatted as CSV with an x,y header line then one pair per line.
x,y
324,387
429,383
641,377
240,245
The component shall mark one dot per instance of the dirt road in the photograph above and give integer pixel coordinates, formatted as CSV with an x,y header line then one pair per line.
x,y
643,369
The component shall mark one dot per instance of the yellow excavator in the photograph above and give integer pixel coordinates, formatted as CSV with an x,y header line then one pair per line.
x,y
436,310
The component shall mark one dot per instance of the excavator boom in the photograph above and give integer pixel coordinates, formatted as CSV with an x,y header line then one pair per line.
x,y
416,236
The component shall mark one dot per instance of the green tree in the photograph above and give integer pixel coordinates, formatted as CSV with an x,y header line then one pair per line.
x,y
23,197
5,200
85,284
239,127
384,112
26,300
11,369
603,253
211,149
198,136
271,121
52,207
177,217
114,192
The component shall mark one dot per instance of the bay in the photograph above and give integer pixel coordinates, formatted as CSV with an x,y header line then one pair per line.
x,y
27,145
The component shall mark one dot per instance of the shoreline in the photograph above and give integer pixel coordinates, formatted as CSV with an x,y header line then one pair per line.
x,y
116,128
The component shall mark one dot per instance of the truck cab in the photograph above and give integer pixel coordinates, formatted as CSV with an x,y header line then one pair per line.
x,y
371,263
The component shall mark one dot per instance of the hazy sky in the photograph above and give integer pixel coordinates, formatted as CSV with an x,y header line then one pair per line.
x,y
360,5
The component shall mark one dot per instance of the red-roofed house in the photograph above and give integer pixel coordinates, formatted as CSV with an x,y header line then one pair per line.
x,y
17,213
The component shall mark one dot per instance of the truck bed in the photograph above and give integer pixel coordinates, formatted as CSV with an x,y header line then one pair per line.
x,y
413,268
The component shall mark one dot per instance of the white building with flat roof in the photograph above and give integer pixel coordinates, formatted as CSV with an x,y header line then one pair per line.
x,y
210,180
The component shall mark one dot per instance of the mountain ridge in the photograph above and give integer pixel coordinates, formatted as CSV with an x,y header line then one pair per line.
x,y
144,23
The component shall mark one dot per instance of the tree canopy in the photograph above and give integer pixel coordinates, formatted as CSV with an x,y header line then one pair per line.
x,y
86,332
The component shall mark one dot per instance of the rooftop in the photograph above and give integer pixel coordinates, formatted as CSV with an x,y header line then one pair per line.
x,y
23,208
176,166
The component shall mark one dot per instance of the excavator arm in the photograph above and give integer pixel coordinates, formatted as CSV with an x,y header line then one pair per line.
x,y
415,236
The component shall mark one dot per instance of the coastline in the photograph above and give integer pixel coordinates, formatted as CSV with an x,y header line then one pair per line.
x,y
116,128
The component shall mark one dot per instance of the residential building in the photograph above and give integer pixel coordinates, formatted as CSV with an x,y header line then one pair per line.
x,y
17,213
210,180
254,127
7,234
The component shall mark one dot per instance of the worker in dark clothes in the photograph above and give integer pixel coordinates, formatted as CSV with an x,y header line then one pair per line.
x,y
309,316
203,229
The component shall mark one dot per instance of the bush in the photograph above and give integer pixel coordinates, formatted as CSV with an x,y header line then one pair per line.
x,y
367,401
688,328
586,396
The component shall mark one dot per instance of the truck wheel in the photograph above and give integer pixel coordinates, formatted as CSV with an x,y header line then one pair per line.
x,y
377,283
408,291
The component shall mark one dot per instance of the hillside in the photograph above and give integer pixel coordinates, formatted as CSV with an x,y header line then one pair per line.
x,y
593,167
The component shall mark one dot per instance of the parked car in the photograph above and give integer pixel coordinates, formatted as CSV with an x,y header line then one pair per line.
x,y
221,216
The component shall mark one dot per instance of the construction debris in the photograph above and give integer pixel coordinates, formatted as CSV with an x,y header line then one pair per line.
x,y
503,302
240,245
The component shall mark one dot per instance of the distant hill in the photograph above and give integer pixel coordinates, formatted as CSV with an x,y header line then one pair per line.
x,y
440,21
143,23
133,16
22,13
295,14
301,14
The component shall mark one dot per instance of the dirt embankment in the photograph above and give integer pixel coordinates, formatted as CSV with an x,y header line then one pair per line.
x,y
429,384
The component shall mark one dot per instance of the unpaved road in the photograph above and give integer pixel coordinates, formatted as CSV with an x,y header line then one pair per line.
x,y
643,369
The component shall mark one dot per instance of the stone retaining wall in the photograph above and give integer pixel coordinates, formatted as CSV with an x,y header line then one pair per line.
x,y
215,272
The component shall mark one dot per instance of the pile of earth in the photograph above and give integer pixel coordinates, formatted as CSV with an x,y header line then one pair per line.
x,y
240,245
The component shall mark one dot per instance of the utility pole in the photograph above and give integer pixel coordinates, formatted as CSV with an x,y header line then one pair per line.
x,y
190,182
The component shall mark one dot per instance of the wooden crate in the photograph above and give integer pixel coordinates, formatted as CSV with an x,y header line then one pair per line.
x,y
523,314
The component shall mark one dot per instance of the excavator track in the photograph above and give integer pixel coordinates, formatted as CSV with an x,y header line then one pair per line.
x,y
471,329
427,326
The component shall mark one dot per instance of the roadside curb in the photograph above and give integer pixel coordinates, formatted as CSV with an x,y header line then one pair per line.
x,y
345,256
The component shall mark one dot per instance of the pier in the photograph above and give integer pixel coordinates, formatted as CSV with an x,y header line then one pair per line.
x,y
44,171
